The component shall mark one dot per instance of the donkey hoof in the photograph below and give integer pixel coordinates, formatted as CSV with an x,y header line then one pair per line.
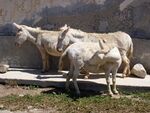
x,y
65,75
78,95
123,75
44,71
86,77
67,90
110,94
116,92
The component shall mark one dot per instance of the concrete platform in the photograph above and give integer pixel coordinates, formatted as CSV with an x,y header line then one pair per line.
x,y
96,82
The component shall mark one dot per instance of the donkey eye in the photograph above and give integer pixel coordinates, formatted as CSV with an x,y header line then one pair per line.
x,y
19,30
18,34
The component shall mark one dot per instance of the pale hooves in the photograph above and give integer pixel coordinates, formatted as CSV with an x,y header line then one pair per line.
x,y
64,75
124,75
4,68
116,92
86,77
111,95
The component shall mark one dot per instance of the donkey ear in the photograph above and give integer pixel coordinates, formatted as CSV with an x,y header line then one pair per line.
x,y
17,26
62,28
104,40
101,43
20,29
65,27
68,27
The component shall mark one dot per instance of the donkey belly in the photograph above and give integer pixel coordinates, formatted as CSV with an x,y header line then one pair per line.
x,y
52,51
93,68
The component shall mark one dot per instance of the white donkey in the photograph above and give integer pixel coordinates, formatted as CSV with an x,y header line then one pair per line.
x,y
36,36
93,57
45,41
119,39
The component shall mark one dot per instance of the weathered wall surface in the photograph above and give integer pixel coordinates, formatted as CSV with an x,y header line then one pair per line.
x,y
131,16
141,53
25,56
28,56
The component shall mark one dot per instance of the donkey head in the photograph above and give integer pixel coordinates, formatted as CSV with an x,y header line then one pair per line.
x,y
21,34
63,38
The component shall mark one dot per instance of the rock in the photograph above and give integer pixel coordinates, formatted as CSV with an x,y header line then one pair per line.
x,y
30,107
1,106
139,71
21,95
4,68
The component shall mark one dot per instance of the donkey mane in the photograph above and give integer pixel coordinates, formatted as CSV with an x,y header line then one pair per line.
x,y
78,33
33,29
81,34
36,31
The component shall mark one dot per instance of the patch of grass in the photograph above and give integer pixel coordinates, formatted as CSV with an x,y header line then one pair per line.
x,y
66,103
32,87
143,95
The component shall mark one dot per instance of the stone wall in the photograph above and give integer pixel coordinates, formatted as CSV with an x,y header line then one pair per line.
x,y
131,16
27,56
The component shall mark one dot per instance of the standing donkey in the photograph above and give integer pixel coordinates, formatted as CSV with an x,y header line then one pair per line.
x,y
36,36
94,57
118,39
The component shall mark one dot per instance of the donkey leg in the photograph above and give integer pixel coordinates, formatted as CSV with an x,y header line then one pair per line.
x,y
85,72
44,60
107,75
114,72
47,62
126,70
75,75
68,82
68,77
86,75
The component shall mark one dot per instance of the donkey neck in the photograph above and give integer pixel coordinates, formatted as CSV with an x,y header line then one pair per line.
x,y
31,39
79,35
33,34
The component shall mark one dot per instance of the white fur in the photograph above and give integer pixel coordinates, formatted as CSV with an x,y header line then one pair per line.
x,y
92,57
118,39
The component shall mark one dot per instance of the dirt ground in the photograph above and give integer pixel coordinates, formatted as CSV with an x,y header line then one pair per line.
x,y
6,90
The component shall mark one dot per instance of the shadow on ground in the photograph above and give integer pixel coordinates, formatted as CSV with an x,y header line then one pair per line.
x,y
72,94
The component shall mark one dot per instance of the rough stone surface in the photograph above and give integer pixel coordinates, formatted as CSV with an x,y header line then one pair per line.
x,y
28,55
139,71
96,82
131,16
25,56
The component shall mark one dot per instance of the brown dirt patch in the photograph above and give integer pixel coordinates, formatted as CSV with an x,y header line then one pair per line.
x,y
6,90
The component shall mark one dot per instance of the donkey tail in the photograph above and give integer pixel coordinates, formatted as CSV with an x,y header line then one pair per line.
x,y
60,65
130,52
